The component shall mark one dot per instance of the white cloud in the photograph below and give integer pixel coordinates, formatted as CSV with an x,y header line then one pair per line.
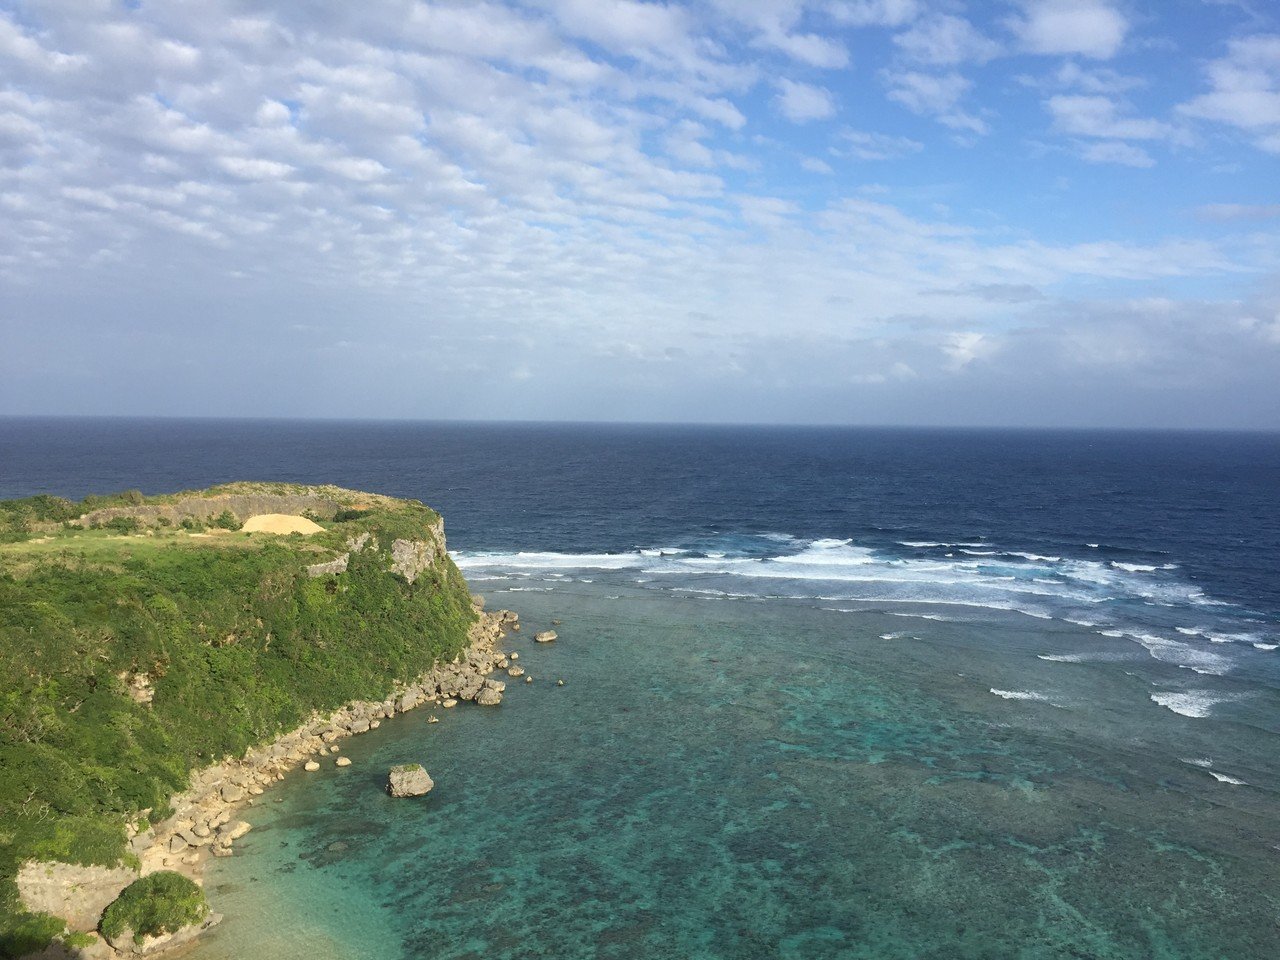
x,y
1225,212
1089,28
873,13
937,95
251,168
802,102
1116,151
1244,90
866,145
814,165
927,93
946,40
1099,116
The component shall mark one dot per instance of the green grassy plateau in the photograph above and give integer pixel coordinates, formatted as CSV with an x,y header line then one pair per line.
x,y
237,641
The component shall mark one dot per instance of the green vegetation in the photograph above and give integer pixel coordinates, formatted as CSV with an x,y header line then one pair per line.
x,y
163,902
237,641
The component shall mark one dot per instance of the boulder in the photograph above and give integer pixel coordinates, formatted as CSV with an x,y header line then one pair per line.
x,y
232,793
546,636
489,697
344,761
515,671
233,831
409,780
311,766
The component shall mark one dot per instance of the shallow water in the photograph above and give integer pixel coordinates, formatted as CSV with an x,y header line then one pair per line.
x,y
741,779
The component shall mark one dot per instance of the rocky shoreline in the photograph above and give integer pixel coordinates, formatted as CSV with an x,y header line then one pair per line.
x,y
203,822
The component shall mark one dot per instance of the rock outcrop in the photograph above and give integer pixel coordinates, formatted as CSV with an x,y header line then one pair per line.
x,y
126,945
409,780
75,893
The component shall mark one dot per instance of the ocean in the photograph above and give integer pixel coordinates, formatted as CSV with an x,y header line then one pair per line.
x,y
829,693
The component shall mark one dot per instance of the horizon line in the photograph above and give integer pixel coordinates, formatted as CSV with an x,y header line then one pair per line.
x,y
722,424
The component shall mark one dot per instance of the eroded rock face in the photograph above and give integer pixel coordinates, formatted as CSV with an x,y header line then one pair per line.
x,y
410,558
409,780
332,567
76,894
126,945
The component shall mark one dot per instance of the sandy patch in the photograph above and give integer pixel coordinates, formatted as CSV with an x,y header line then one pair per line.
x,y
280,523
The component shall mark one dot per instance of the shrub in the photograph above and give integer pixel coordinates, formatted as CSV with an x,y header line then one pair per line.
x,y
226,520
124,524
162,902
192,524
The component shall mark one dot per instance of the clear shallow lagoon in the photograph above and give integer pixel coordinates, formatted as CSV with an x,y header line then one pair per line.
x,y
828,694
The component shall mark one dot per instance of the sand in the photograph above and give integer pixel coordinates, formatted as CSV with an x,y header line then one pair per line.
x,y
280,523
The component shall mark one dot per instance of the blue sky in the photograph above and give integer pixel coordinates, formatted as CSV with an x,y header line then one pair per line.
x,y
1024,212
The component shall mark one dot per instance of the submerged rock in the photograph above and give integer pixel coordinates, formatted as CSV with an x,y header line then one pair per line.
x,y
409,780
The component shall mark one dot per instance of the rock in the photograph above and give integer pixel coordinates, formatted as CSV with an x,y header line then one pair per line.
x,y
515,656
359,726
344,761
433,719
515,671
232,793
233,831
409,558
76,894
177,844
333,567
504,663
559,683
489,697
221,851
546,636
528,679
126,945
498,685
201,830
556,623
255,790
335,748
374,724
450,703
311,766
408,780
408,702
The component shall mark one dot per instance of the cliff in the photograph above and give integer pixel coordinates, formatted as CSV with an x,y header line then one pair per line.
x,y
155,670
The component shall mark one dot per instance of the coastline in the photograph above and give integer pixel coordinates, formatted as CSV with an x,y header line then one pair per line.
x,y
202,823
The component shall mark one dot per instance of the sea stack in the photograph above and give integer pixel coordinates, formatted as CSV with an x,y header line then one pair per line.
x,y
409,780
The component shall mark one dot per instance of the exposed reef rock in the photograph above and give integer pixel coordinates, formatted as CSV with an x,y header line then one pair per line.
x,y
409,780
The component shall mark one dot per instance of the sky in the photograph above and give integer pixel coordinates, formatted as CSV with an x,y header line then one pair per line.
x,y
1013,212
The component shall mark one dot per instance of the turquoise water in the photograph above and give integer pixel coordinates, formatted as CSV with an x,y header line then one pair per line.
x,y
739,778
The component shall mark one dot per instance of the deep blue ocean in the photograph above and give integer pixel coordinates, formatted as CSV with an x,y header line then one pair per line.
x,y
829,693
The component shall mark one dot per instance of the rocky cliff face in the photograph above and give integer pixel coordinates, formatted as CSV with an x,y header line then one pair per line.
x,y
242,506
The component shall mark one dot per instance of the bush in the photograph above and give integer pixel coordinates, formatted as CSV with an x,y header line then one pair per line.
x,y
226,520
192,524
163,902
124,524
